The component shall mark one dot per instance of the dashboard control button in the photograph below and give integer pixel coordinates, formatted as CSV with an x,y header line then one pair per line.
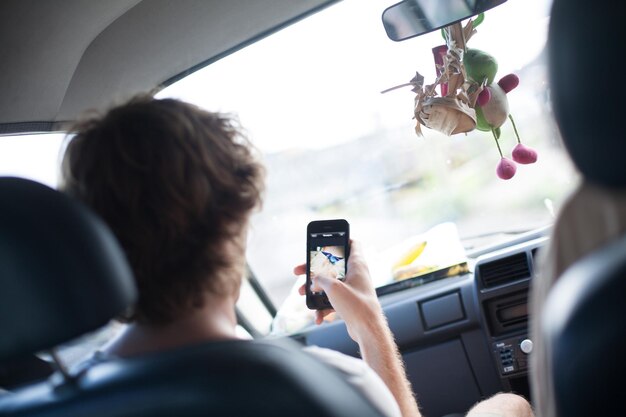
x,y
526,346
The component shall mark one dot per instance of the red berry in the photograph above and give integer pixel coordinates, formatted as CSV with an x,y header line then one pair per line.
x,y
508,82
506,169
524,155
484,97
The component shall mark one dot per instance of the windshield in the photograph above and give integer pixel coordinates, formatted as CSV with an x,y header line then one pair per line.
x,y
335,147
310,99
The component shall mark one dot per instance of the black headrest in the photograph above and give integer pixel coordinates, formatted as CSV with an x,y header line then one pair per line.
x,y
584,43
583,325
62,272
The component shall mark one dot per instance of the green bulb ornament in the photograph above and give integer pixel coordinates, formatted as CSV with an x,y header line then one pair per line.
x,y
492,107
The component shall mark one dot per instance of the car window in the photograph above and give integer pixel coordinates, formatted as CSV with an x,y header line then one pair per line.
x,y
35,157
250,306
335,147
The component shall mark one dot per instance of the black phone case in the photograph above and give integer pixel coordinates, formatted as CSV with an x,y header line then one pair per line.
x,y
321,302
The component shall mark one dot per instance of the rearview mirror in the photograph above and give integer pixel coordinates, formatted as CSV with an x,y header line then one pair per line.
x,y
411,18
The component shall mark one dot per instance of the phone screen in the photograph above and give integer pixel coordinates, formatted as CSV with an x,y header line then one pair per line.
x,y
327,255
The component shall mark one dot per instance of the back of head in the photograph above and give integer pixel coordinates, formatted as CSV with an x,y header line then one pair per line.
x,y
586,39
176,184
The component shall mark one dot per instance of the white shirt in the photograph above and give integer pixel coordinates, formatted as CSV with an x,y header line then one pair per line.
x,y
361,376
354,370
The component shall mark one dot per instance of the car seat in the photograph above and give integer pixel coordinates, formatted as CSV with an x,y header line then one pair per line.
x,y
585,334
63,274
582,321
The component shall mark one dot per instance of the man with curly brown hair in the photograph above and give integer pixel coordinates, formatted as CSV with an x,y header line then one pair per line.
x,y
177,185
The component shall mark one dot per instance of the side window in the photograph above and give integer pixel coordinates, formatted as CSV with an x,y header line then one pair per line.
x,y
254,309
35,157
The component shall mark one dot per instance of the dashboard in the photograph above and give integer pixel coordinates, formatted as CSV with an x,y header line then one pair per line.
x,y
463,338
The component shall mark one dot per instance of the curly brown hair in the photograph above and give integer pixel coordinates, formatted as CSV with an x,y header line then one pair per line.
x,y
176,184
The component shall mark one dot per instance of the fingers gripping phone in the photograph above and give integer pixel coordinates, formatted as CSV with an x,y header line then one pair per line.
x,y
327,253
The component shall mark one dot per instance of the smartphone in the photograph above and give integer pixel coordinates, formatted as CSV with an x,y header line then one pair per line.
x,y
326,253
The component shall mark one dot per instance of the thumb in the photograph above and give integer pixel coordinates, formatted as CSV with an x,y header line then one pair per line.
x,y
327,284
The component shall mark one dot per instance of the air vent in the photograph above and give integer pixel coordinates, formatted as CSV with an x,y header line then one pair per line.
x,y
511,268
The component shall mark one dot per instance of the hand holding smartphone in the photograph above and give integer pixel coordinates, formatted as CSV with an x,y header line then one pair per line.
x,y
327,254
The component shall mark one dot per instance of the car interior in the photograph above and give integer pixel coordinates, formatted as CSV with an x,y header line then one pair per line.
x,y
458,309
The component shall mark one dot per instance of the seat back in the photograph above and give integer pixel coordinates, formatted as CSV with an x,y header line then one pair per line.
x,y
583,317
232,378
584,330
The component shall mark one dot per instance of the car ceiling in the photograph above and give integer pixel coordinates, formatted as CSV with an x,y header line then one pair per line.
x,y
60,58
